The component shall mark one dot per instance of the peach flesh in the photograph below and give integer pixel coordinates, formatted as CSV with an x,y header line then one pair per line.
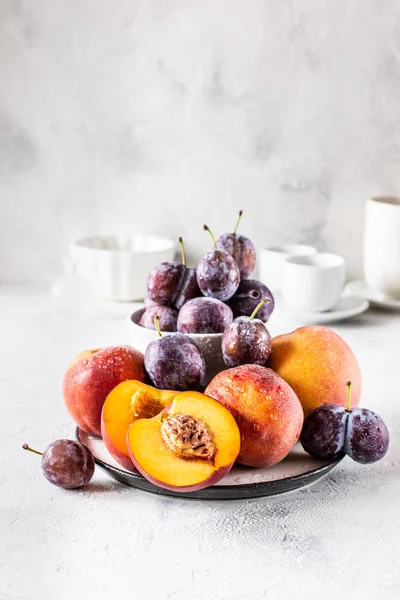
x,y
266,409
91,377
166,468
317,363
128,401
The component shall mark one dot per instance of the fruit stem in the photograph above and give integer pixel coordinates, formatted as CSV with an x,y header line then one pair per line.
x,y
257,308
237,222
157,324
182,251
348,396
26,447
206,228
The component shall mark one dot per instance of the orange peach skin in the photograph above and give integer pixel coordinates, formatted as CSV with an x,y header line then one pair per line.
x,y
225,434
317,363
128,401
266,409
92,376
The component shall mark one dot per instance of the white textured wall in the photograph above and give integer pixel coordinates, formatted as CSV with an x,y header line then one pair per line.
x,y
160,115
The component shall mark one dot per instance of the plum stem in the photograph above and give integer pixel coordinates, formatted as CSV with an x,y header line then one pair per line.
x,y
348,396
26,447
237,222
182,251
206,228
157,325
257,308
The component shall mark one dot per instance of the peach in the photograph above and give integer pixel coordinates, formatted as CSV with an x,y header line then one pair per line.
x,y
128,401
266,409
91,377
191,445
317,363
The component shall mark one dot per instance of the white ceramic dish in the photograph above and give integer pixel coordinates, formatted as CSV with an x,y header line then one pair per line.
x,y
346,308
297,470
271,260
118,267
209,343
361,288
313,283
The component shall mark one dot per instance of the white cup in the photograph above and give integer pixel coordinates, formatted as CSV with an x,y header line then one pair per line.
x,y
313,283
271,261
117,268
382,245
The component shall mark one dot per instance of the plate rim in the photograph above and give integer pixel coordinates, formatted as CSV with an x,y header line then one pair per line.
x,y
327,316
326,467
375,298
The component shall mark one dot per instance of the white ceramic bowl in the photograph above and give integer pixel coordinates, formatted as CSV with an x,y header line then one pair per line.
x,y
209,343
117,267
271,261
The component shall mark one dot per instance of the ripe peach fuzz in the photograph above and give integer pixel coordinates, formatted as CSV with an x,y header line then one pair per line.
x,y
266,409
317,363
191,445
91,377
128,401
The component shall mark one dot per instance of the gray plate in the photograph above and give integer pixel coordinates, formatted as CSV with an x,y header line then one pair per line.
x,y
295,471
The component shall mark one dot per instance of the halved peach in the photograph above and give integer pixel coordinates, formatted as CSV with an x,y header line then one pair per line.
x,y
191,445
128,401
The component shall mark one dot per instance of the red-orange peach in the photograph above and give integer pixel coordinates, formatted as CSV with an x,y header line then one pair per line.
x,y
129,401
191,445
266,409
317,363
91,377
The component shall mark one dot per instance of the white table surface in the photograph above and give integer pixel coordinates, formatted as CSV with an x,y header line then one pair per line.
x,y
339,538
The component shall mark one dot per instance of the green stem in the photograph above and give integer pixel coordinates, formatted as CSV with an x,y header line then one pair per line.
x,y
348,396
182,251
157,324
257,308
26,447
206,228
237,222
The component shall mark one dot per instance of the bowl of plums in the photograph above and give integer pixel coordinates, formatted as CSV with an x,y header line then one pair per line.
x,y
204,403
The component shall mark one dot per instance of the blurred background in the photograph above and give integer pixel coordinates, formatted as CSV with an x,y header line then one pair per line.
x,y
156,116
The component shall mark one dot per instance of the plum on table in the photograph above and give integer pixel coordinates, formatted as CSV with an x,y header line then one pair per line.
x,y
66,463
331,429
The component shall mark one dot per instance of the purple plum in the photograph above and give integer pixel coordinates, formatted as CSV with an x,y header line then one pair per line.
x,y
218,275
331,429
246,341
249,293
164,282
241,248
175,362
204,315
168,317
367,437
66,463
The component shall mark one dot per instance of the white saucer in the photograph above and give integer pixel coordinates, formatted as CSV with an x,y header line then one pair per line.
x,y
360,288
347,307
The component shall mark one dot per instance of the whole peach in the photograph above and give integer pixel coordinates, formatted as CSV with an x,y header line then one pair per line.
x,y
317,363
266,409
92,376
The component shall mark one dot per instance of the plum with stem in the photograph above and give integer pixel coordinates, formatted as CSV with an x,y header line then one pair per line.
x,y
218,275
241,248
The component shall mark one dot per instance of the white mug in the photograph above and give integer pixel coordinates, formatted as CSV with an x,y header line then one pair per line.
x,y
271,261
313,283
382,245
